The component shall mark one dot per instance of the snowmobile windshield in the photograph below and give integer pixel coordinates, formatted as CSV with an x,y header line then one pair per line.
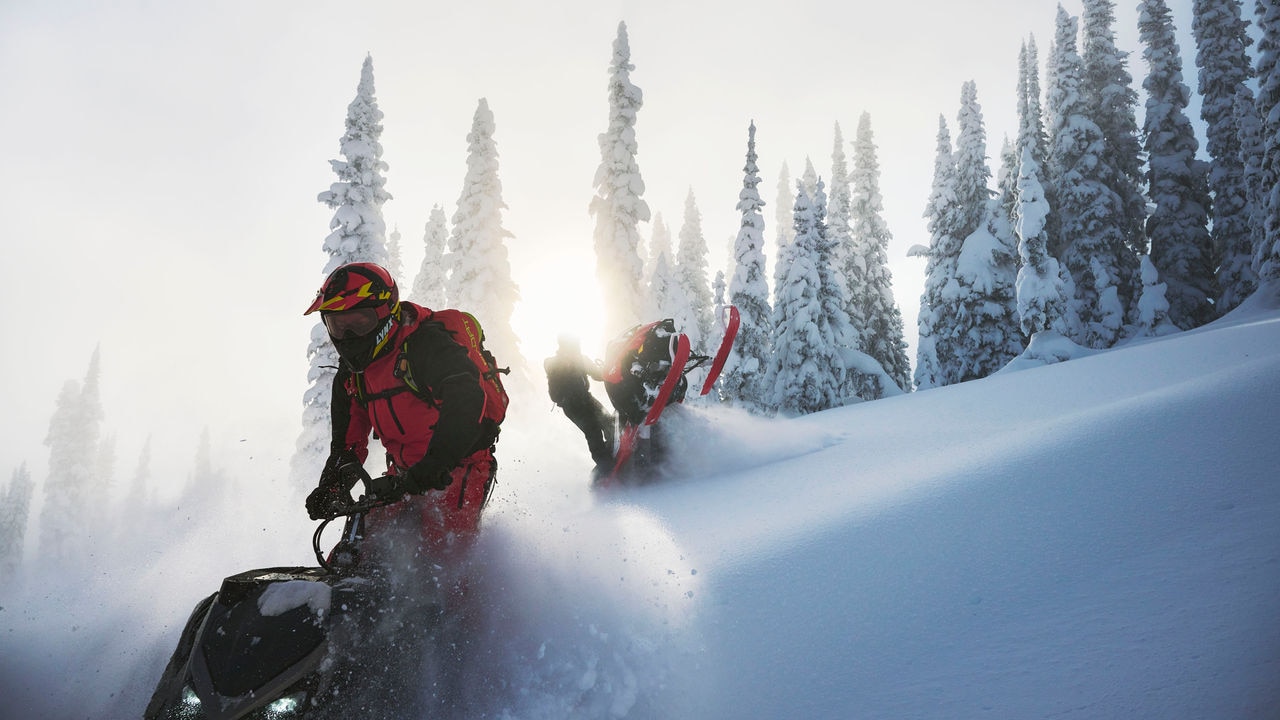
x,y
351,323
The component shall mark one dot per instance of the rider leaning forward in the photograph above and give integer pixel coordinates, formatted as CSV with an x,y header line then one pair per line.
x,y
434,436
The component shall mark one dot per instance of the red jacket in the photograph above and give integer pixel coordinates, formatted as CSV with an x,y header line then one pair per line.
x,y
440,423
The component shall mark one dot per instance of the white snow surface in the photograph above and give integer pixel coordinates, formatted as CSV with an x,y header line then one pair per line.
x,y
1094,538
281,597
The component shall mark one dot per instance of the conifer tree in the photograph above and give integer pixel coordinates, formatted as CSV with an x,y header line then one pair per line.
x,y
618,205
1089,210
982,335
433,277
1153,308
359,232
745,369
968,215
1040,294
691,270
941,255
784,224
15,509
479,267
988,334
358,235
1032,134
1267,258
845,256
1181,248
1251,150
395,265
806,373
659,244
1222,42
1109,93
832,291
72,495
871,306
666,296
839,266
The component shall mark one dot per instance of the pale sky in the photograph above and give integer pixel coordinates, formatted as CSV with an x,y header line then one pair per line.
x,y
163,159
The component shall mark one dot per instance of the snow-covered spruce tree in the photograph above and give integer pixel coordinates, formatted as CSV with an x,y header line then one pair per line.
x,y
1153,308
940,265
1110,310
659,244
1032,134
618,205
871,300
1181,248
1222,42
744,371
984,331
358,230
666,298
1251,149
809,178
844,255
358,235
1267,259
806,372
1089,210
957,339
1040,295
1109,92
692,273
784,224
849,273
479,267
15,511
433,276
73,495
719,286
395,265
832,292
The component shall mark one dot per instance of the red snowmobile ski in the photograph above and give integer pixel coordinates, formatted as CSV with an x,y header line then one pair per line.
x,y
726,344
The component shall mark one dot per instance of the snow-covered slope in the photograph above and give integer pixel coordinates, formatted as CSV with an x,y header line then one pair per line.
x,y
1098,538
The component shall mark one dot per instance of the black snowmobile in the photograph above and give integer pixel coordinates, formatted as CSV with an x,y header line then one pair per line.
x,y
338,640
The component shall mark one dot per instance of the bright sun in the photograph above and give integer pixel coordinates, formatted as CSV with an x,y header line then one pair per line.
x,y
561,297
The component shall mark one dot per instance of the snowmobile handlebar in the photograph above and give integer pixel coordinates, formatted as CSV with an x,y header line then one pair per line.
x,y
363,505
348,546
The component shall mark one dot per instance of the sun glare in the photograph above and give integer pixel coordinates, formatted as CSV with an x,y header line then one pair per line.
x,y
566,301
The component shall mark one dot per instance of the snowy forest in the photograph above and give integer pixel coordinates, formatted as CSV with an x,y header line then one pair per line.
x,y
1103,221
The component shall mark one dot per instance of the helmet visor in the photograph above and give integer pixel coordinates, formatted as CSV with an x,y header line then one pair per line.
x,y
351,323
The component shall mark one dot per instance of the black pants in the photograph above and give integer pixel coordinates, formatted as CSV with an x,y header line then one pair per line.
x,y
597,425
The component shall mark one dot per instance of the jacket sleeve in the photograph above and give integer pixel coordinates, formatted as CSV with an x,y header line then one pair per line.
x,y
442,369
351,424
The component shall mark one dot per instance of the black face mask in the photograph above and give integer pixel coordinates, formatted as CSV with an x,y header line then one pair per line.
x,y
357,352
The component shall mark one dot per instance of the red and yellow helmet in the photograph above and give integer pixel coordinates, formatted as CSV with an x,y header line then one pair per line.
x,y
355,285
360,306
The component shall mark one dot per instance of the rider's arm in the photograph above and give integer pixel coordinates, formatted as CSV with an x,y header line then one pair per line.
x,y
442,368
351,424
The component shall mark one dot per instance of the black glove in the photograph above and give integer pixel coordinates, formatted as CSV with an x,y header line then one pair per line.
x,y
327,501
385,487
427,474
333,493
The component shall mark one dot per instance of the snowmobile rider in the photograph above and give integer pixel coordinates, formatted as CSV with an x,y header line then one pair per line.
x,y
567,373
433,432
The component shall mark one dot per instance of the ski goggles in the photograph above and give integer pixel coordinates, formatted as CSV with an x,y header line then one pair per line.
x,y
351,323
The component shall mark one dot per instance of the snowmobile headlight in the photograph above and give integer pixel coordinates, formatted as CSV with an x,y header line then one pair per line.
x,y
188,707
286,707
